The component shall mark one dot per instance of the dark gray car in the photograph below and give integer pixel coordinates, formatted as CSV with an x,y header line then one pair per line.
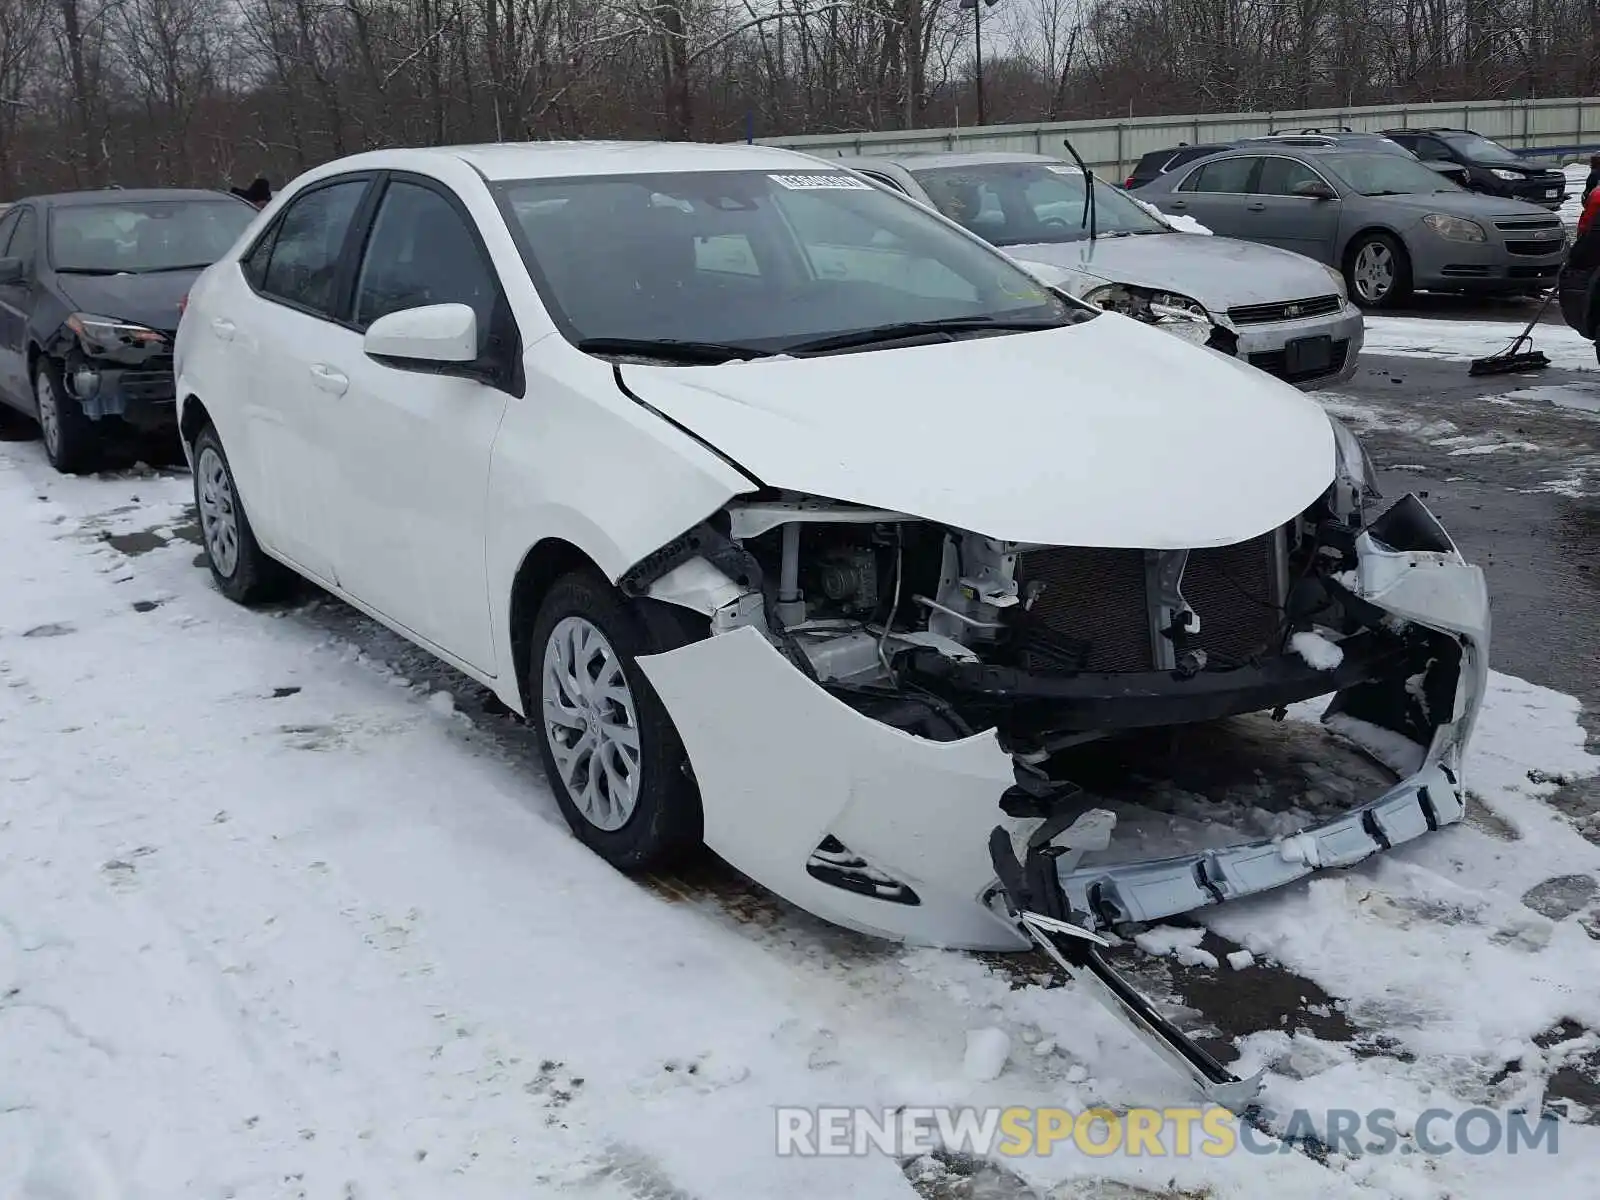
x,y
1388,223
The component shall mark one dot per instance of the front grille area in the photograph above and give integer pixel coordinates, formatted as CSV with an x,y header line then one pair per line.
x,y
1553,246
1288,310
1101,599
151,381
1524,224
1276,362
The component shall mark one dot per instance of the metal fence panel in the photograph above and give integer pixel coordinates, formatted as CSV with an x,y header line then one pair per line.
x,y
1567,126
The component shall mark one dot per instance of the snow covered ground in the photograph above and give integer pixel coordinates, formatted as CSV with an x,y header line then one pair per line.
x,y
276,921
1422,337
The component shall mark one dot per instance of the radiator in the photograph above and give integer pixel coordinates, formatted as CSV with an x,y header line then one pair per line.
x,y
1101,598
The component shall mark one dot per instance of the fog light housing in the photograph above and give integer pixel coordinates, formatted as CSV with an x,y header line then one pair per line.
x,y
85,383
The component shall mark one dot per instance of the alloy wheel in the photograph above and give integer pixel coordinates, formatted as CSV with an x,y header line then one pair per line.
x,y
49,416
219,521
1374,271
591,723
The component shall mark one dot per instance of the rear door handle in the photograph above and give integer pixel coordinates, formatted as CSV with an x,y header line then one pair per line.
x,y
1256,207
223,328
329,380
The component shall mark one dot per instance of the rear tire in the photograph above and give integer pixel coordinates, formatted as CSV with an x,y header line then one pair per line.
x,y
1378,271
71,441
243,571
610,752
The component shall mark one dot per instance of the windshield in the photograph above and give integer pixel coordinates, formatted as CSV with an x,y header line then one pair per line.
x,y
1386,174
1479,148
1025,203
747,258
155,235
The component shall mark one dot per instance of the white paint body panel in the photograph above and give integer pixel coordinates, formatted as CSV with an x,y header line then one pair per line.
x,y
919,810
1108,433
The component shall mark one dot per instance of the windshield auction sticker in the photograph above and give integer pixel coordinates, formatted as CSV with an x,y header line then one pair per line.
x,y
802,183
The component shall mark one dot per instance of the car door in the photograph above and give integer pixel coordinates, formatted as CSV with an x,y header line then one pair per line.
x,y
1215,194
1282,217
279,330
413,446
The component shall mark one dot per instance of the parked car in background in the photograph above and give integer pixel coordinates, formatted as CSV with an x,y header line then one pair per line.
x,y
1491,168
1159,162
1388,223
1579,285
1349,139
803,525
91,285
1276,310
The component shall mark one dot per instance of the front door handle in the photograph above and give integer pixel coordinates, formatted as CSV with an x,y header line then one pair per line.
x,y
329,380
1256,207
1180,204
223,328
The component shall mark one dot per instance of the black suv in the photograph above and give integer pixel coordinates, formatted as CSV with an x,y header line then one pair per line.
x,y
91,286
1491,168
1158,162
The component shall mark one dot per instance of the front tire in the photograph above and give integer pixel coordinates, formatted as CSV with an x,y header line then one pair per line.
x,y
610,752
1378,271
71,441
242,570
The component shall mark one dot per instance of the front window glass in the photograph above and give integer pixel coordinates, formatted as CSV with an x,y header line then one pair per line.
x,y
1026,203
1480,149
1386,174
754,259
1281,176
135,238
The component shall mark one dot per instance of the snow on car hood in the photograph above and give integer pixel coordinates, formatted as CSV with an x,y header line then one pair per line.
x,y
1107,433
1217,271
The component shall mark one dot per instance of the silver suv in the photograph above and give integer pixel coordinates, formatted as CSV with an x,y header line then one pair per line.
x,y
1386,221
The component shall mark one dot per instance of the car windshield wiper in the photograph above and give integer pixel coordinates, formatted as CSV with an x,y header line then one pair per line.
x,y
908,329
179,267
90,271
671,350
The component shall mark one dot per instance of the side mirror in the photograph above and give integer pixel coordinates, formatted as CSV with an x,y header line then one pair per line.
x,y
1315,189
432,334
12,270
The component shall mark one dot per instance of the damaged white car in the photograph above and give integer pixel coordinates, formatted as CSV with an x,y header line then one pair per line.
x,y
807,526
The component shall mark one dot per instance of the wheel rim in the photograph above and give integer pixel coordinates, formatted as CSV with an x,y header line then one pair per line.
x,y
591,723
1374,271
219,521
49,418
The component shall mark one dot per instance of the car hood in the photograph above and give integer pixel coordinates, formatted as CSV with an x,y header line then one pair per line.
x,y
149,299
1217,271
1108,433
1473,205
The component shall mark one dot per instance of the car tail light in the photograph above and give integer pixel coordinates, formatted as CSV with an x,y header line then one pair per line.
x,y
183,305
1128,183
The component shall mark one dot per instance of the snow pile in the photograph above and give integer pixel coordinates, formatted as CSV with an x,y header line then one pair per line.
x,y
1318,652
987,1051
1420,337
1179,221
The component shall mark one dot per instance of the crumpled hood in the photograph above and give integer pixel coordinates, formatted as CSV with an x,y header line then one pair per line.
x,y
1107,433
1217,271
150,299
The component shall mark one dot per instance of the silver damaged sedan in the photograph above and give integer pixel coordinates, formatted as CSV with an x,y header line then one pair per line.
x,y
1280,311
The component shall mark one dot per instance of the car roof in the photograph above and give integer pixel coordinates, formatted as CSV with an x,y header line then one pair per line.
x,y
127,196
929,160
497,161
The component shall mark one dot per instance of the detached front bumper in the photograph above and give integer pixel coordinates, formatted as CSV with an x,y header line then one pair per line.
x,y
887,832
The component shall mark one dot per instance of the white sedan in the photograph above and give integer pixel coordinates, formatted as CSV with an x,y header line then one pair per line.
x,y
805,525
